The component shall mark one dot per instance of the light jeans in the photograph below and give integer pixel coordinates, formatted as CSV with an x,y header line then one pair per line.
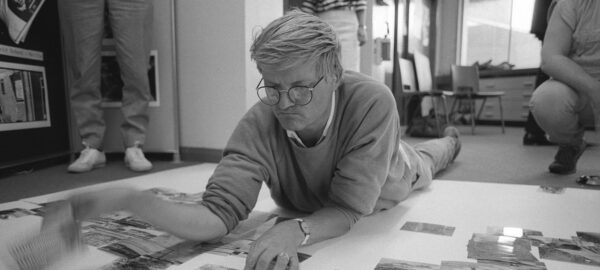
x,y
561,112
345,25
428,158
82,24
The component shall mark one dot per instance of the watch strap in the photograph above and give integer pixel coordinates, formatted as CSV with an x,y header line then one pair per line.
x,y
305,230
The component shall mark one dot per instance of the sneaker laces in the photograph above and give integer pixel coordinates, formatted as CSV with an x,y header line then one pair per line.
x,y
86,153
136,152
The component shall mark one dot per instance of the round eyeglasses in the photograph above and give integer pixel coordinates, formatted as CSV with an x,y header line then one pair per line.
x,y
298,95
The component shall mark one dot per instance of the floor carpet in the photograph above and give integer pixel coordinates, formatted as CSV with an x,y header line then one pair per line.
x,y
486,156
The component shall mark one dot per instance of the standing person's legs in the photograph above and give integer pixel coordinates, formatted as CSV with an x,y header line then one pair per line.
x,y
345,25
131,22
561,112
82,24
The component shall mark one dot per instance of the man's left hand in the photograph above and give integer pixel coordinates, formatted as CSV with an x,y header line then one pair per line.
x,y
277,248
362,36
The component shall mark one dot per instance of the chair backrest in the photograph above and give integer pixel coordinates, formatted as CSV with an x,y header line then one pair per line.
x,y
423,69
465,79
407,74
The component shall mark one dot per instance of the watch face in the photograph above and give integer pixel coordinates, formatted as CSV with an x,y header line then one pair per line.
x,y
304,227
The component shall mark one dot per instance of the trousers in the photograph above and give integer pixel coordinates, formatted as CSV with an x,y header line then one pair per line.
x,y
561,112
83,26
427,158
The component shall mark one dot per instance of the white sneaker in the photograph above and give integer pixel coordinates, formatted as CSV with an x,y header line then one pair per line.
x,y
89,159
135,159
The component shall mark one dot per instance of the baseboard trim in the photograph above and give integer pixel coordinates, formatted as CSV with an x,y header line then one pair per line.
x,y
201,154
36,163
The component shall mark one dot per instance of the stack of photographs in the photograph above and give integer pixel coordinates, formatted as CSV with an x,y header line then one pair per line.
x,y
503,250
140,245
582,249
393,264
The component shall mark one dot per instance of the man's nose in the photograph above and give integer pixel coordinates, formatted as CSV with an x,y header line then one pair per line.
x,y
284,101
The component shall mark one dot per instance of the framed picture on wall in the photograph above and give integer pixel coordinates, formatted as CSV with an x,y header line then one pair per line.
x,y
111,84
23,97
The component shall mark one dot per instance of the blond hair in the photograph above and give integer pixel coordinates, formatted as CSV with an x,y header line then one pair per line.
x,y
297,38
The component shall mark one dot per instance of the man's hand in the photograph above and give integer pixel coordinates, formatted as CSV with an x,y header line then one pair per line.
x,y
277,248
58,219
88,204
362,36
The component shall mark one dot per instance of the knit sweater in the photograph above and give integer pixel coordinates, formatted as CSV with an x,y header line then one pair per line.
x,y
356,168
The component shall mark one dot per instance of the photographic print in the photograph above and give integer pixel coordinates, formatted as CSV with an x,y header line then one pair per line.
x,y
120,250
589,237
111,84
428,228
176,196
18,15
23,97
15,213
392,264
214,267
512,231
142,262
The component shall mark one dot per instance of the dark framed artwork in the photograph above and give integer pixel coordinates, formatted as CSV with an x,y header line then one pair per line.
x,y
33,103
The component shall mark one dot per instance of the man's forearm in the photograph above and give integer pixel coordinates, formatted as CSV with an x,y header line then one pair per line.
x,y
327,223
194,222
360,16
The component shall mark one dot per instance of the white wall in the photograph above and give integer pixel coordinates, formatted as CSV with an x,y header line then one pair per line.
x,y
447,19
215,72
258,14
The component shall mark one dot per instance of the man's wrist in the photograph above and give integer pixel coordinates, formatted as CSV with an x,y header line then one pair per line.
x,y
304,229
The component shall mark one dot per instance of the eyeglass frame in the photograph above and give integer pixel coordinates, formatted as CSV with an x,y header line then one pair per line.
x,y
310,89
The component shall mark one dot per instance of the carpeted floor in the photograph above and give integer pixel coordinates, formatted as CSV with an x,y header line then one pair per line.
x,y
35,182
487,156
490,156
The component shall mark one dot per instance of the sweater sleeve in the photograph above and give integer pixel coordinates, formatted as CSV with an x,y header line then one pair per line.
x,y
232,190
373,134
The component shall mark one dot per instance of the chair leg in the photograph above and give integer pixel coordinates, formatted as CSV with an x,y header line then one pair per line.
x,y
481,107
446,113
501,113
472,103
437,119
453,105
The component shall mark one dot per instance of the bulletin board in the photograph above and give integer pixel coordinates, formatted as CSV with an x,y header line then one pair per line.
x,y
33,109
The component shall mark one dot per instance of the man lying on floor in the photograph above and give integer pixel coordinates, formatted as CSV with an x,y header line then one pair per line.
x,y
326,142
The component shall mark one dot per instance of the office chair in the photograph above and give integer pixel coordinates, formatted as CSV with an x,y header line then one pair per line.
x,y
465,88
409,91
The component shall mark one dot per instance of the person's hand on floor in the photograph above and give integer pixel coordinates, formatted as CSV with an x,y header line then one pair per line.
x,y
276,249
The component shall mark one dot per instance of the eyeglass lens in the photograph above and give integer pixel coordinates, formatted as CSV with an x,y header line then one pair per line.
x,y
298,95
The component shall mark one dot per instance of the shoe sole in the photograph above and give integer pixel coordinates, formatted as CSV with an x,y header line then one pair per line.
x,y
99,165
137,170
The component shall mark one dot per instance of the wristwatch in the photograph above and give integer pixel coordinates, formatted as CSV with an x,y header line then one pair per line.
x,y
305,230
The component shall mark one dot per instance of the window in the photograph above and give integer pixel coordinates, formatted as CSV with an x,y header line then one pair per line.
x,y
498,30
